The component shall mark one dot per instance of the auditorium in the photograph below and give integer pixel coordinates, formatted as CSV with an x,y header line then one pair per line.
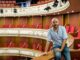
x,y
39,30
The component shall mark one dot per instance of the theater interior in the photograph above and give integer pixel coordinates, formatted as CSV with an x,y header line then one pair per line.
x,y
24,25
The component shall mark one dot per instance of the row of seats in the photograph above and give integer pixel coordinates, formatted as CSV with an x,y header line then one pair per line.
x,y
36,45
24,26
69,29
8,2
23,44
75,31
7,5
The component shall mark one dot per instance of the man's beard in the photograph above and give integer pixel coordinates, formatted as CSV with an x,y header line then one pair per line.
x,y
55,26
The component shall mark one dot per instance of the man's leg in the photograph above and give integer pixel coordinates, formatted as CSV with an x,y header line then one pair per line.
x,y
57,55
66,53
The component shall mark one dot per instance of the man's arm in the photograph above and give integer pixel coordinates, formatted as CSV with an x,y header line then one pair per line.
x,y
46,49
48,42
65,36
62,47
47,45
63,44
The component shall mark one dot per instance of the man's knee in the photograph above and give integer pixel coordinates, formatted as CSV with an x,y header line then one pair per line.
x,y
58,55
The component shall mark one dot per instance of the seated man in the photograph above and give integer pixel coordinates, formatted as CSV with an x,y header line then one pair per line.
x,y
57,34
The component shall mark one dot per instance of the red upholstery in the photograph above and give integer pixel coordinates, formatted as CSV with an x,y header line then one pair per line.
x,y
67,29
10,44
78,45
39,47
3,2
12,26
71,29
6,26
24,26
23,44
19,26
14,1
31,26
47,27
6,2
78,35
39,26
34,45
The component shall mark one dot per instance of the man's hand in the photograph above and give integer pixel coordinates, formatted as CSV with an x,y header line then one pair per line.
x,y
58,49
45,53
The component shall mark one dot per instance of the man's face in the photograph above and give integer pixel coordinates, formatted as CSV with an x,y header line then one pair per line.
x,y
55,23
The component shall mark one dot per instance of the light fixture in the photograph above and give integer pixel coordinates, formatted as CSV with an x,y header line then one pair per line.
x,y
64,1
1,10
47,8
15,10
55,4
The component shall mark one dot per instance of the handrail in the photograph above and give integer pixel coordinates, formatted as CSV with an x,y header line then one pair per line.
x,y
35,33
20,52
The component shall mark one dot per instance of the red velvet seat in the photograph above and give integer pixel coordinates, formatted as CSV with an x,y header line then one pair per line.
x,y
0,2
24,26
14,2
8,5
78,35
10,44
67,29
39,26
71,29
19,26
3,2
10,2
39,46
6,2
5,26
31,26
34,45
8,26
23,44
78,45
47,27
12,26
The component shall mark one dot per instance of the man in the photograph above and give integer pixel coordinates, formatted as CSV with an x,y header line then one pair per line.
x,y
57,34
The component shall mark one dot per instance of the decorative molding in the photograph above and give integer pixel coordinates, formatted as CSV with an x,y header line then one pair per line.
x,y
19,52
33,10
35,33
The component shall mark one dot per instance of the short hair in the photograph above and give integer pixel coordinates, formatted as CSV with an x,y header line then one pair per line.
x,y
54,19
